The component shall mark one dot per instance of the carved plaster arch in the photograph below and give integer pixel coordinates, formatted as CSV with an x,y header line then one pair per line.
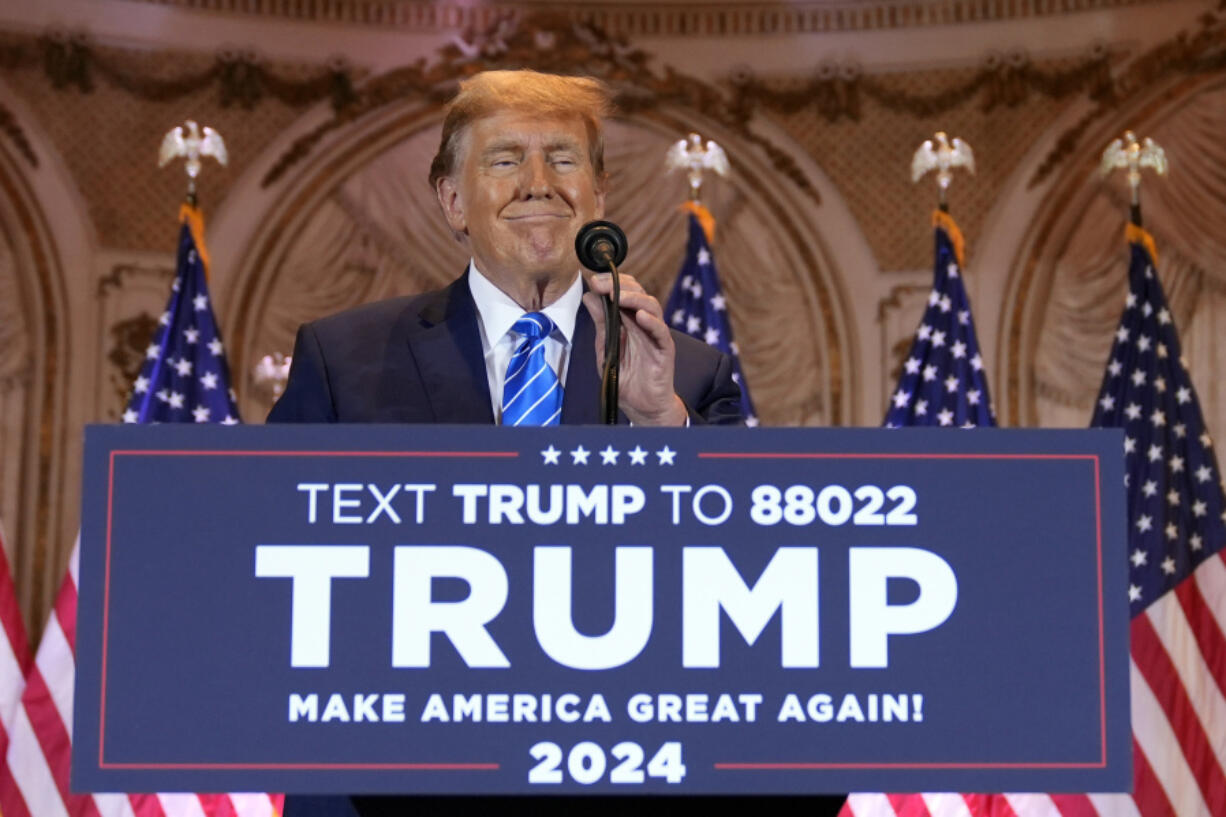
x,y
787,293
45,241
1052,350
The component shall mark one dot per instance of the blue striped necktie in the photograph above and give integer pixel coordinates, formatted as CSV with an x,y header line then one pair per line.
x,y
531,394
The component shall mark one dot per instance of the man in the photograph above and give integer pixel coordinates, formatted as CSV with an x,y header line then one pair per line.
x,y
520,168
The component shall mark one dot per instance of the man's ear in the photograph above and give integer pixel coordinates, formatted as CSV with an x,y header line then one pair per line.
x,y
453,207
601,186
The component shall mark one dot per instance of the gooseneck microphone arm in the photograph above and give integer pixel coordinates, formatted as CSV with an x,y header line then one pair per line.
x,y
601,246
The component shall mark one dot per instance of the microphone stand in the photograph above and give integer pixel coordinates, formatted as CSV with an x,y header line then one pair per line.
x,y
612,346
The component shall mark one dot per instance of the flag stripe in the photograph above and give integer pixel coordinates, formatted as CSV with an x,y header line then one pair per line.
x,y
1158,741
1150,657
1033,805
1206,619
1205,698
1073,805
944,804
1147,791
32,773
908,805
53,737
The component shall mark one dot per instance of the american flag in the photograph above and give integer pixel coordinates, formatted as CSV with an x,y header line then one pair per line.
x,y
697,307
184,379
942,381
1177,588
14,663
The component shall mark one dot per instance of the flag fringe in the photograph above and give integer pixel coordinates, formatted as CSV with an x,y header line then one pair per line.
x,y
944,221
194,219
1139,235
705,219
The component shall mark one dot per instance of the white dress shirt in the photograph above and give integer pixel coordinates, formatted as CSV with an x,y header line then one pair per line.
x,y
497,313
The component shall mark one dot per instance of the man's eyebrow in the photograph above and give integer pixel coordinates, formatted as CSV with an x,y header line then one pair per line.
x,y
502,146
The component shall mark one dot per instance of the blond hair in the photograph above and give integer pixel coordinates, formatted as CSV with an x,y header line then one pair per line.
x,y
545,95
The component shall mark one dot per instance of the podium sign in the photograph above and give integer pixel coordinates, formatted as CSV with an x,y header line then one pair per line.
x,y
485,610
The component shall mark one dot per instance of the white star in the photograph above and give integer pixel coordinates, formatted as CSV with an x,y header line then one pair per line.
x,y
609,455
911,365
1162,350
945,304
230,421
1206,440
736,378
924,332
1138,557
1115,367
901,398
1183,394
1164,316
751,421
1195,542
579,456
638,456
1168,566
1172,497
958,350
1203,473
1134,593
1143,343
964,316
666,455
951,384
938,339
1121,334
549,456
711,336
1132,411
1138,376
163,395
972,397
215,346
704,257
693,323
696,289
1176,464
921,408
930,372
945,417
130,416
977,362
1160,384
1149,488
201,413
1158,418
164,319
200,302
1172,532
1130,445
678,317
191,334
1180,430
176,400
1146,308
1131,300
1144,523
934,297
1199,508
952,270
717,302
1155,453
1108,402
152,352
209,380
141,385
183,366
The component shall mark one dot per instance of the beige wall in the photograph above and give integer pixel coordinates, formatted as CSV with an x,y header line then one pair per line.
x,y
824,245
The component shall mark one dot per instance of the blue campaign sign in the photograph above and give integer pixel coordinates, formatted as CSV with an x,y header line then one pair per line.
x,y
567,610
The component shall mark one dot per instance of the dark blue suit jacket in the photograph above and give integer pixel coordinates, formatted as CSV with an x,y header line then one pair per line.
x,y
418,359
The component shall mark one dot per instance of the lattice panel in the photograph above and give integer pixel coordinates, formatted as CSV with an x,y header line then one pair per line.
x,y
870,161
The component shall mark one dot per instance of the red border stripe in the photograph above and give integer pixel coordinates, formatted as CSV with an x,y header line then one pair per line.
x,y
1147,790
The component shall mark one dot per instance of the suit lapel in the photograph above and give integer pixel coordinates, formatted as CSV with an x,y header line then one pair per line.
x,y
581,402
446,344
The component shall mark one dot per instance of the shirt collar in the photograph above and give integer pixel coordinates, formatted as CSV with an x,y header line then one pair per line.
x,y
499,312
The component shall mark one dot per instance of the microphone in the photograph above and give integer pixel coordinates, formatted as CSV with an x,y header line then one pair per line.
x,y
601,246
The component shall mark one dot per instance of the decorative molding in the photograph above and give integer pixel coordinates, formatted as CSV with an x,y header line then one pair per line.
x,y
71,61
1189,54
675,19
11,128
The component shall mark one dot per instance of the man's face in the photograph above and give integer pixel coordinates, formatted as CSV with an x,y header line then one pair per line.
x,y
523,187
